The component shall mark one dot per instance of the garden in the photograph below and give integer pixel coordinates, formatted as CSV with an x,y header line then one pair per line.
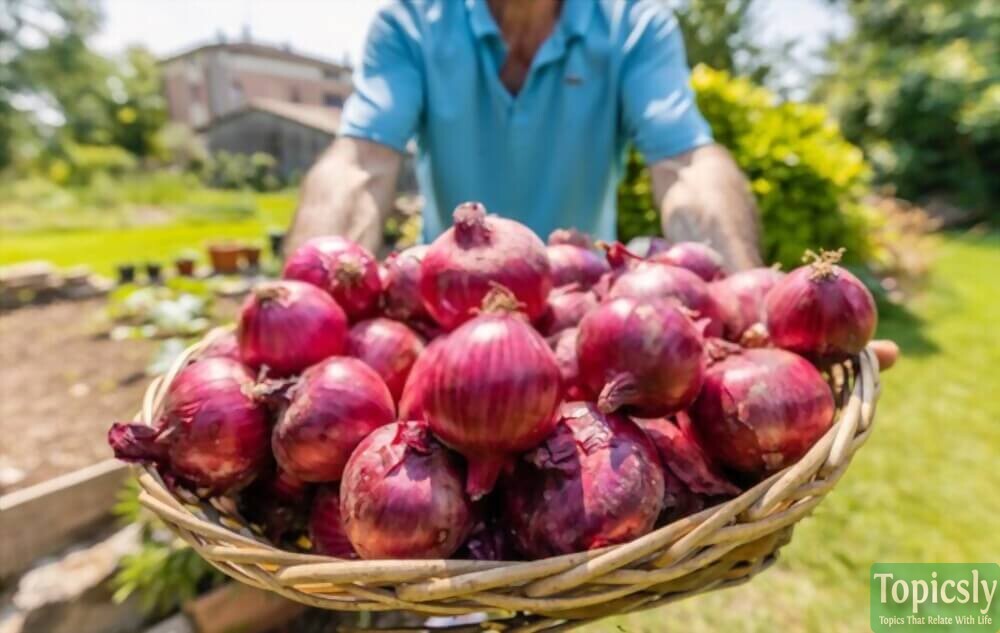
x,y
889,156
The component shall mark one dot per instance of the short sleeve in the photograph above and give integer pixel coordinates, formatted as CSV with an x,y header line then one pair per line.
x,y
658,105
387,101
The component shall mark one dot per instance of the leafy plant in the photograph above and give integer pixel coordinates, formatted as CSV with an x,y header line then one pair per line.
x,y
807,179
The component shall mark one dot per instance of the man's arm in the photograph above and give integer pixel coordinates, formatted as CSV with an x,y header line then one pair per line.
x,y
704,197
348,192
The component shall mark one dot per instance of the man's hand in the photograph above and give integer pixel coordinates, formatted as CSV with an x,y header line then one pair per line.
x,y
349,191
886,352
704,197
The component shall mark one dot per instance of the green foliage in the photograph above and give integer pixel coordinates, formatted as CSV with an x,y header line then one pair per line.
x,y
808,180
915,84
257,171
164,572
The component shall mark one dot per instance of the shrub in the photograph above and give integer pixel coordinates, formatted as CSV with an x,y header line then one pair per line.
x,y
808,180
257,171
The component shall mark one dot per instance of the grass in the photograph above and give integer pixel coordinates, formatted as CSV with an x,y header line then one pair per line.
x,y
923,489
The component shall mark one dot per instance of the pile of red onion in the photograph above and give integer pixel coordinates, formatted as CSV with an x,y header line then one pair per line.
x,y
494,397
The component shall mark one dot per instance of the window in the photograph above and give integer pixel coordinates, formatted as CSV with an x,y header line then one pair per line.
x,y
332,100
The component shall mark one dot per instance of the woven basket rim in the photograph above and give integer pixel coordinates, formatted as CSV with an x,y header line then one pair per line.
x,y
717,547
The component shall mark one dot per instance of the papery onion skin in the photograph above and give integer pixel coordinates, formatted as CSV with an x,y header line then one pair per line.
x,y
341,267
402,496
701,259
389,347
288,326
563,346
411,402
595,481
492,392
334,406
574,265
477,253
401,285
570,236
821,311
649,280
761,410
326,529
644,357
211,435
657,245
565,308
741,299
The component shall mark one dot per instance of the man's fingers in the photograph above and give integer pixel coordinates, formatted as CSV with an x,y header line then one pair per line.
x,y
886,352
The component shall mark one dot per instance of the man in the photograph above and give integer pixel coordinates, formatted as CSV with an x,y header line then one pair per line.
x,y
527,106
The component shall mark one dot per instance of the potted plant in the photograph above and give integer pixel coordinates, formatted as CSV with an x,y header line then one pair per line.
x,y
185,263
154,272
251,255
276,240
225,257
126,273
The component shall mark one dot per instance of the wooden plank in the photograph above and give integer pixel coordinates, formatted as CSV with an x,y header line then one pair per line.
x,y
39,519
238,607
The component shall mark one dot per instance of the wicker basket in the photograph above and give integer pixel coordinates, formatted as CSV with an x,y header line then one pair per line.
x,y
716,548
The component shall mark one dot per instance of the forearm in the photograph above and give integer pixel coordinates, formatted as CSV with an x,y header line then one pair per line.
x,y
703,196
347,192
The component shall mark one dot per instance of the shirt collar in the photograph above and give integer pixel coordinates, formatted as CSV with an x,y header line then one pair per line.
x,y
573,19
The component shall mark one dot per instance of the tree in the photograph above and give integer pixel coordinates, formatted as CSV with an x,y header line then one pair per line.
x,y
915,84
720,34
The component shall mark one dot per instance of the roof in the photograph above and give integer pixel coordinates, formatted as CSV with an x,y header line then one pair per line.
x,y
322,118
261,50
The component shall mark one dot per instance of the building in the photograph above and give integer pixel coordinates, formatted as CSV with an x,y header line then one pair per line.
x,y
214,80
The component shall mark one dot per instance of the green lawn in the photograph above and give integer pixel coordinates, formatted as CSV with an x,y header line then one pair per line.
x,y
102,249
926,487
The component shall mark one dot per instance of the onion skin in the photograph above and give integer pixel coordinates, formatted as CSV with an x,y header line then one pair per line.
x,y
594,482
574,265
657,245
649,280
341,267
401,285
212,434
761,410
563,346
326,530
741,298
411,402
492,392
701,259
288,326
477,253
388,347
570,236
402,496
821,311
224,346
333,407
644,357
565,309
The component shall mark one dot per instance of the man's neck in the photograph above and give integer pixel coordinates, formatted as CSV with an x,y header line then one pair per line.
x,y
524,25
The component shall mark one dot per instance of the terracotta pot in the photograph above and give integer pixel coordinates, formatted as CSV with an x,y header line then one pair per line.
x,y
184,266
251,256
225,258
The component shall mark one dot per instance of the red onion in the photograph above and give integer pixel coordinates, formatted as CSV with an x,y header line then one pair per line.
x,y
563,346
411,402
476,254
335,404
489,538
341,267
493,390
740,297
326,530
657,245
565,308
761,410
211,434
642,356
821,311
401,285
224,346
402,497
388,347
574,265
701,259
570,236
278,503
288,326
653,280
594,482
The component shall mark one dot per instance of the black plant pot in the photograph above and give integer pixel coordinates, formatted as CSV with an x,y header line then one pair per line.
x,y
154,272
276,240
126,273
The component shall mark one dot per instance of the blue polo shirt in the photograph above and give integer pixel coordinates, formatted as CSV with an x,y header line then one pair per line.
x,y
551,156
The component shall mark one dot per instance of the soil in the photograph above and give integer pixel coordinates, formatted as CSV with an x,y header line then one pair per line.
x,y
62,383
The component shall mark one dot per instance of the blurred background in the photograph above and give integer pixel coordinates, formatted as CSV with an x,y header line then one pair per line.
x,y
150,152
